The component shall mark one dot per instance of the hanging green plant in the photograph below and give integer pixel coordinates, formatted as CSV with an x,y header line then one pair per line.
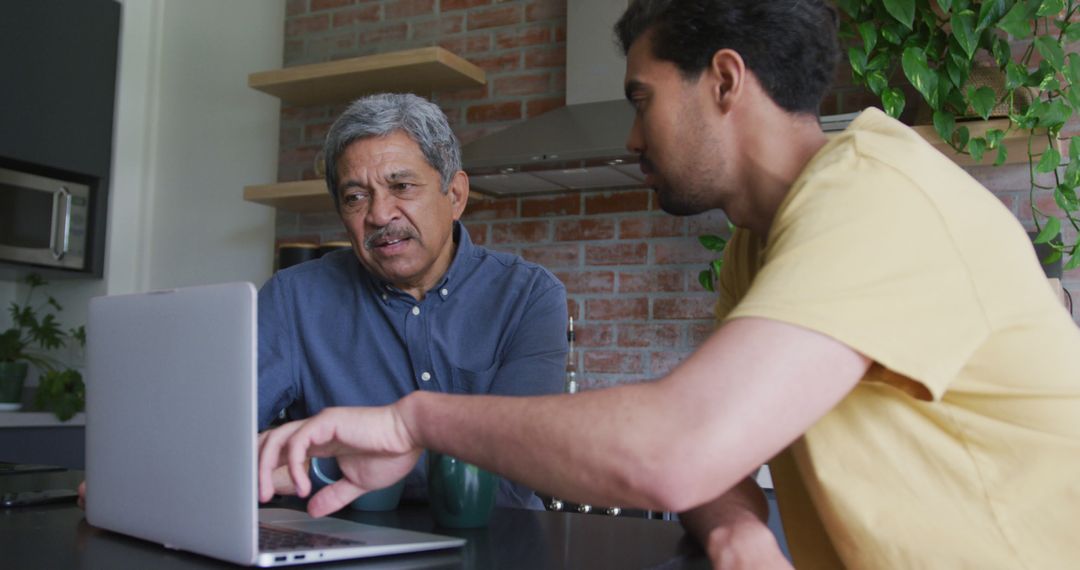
x,y
943,48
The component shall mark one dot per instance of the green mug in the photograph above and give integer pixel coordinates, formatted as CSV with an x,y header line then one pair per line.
x,y
325,471
462,495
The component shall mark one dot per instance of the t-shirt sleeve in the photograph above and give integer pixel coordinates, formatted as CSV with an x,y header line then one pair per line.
x,y
861,254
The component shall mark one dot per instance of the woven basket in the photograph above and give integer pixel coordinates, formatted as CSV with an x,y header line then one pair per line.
x,y
994,78
983,76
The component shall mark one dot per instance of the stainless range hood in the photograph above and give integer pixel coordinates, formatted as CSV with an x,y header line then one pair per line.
x,y
572,148
577,147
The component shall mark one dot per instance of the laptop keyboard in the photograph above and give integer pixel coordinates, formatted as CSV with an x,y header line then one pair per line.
x,y
275,539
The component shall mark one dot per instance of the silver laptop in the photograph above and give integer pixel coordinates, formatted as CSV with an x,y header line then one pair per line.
x,y
170,435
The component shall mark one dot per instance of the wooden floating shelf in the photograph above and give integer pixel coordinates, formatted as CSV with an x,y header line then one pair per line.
x,y
303,196
417,70
1016,142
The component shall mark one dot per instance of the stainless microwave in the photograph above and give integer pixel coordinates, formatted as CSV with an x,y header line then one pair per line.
x,y
43,220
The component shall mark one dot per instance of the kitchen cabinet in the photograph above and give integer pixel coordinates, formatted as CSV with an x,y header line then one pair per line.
x,y
417,70
38,437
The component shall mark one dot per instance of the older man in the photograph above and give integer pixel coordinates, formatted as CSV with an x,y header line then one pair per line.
x,y
887,335
414,306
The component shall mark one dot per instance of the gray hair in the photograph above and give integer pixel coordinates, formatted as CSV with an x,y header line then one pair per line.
x,y
382,114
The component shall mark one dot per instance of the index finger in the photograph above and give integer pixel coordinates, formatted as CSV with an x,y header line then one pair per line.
x,y
269,457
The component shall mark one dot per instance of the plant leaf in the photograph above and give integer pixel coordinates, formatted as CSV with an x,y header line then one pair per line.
x,y
869,34
1065,198
955,73
879,62
1002,52
1072,33
857,58
1072,174
994,137
893,100
1049,162
1016,21
902,10
982,101
1015,76
1051,50
962,135
963,29
977,147
1074,261
1050,8
1002,155
849,6
944,124
890,35
877,82
1049,231
990,11
945,5
705,279
919,74
1072,69
1053,115
716,265
712,242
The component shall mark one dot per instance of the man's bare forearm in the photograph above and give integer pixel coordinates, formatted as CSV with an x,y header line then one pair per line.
x,y
669,445
540,442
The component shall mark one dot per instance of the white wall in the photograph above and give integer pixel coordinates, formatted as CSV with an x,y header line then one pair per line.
x,y
189,134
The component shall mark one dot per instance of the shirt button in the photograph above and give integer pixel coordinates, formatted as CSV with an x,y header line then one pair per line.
x,y
444,292
416,311
384,296
425,376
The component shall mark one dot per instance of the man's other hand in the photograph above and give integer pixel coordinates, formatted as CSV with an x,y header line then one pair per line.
x,y
372,445
745,544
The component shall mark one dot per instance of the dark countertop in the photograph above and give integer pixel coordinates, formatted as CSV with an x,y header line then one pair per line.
x,y
57,536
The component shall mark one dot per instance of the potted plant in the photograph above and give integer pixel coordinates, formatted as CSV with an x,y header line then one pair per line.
x,y
941,47
34,329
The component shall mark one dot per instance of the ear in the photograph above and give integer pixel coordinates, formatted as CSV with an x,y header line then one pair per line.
x,y
728,76
458,193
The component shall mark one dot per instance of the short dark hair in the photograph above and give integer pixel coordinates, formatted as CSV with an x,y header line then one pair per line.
x,y
789,45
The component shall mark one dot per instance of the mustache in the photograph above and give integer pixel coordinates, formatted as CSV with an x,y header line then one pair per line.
x,y
389,233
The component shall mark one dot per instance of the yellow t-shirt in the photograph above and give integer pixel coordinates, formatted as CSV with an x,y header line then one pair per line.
x,y
960,448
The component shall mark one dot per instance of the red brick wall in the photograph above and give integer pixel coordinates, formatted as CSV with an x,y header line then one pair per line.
x,y
521,44
630,272
630,269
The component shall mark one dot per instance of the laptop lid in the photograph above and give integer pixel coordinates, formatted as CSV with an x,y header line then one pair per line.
x,y
170,433
170,418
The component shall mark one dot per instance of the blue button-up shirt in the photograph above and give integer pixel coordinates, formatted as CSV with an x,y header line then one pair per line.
x,y
332,334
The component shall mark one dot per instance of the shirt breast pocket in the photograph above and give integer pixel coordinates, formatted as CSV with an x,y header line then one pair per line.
x,y
464,381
